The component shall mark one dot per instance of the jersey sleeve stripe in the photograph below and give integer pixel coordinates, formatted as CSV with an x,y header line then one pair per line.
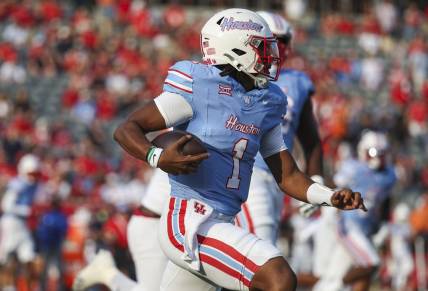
x,y
180,74
179,86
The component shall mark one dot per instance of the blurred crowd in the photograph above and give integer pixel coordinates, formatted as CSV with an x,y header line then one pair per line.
x,y
69,71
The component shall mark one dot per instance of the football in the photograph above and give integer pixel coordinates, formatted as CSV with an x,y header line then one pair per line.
x,y
192,147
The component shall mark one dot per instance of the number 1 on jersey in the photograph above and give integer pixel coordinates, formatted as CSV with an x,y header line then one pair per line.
x,y
238,153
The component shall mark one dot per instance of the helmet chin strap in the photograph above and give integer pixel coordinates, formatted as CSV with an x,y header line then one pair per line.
x,y
259,81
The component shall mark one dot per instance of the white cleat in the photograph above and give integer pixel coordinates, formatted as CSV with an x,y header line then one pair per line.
x,y
98,271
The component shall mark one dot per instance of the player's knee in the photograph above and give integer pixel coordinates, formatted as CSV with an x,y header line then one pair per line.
x,y
285,280
275,275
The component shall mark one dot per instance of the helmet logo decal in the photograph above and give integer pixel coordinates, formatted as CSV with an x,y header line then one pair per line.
x,y
230,24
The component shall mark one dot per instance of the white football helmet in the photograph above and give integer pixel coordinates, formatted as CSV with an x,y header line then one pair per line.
x,y
277,24
241,38
372,149
282,31
28,164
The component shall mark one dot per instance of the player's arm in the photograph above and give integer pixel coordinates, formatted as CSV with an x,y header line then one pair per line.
x,y
295,183
169,109
309,138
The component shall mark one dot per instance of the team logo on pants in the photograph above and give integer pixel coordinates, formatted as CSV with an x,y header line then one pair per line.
x,y
199,208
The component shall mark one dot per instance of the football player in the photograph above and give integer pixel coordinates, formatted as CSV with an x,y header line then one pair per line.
x,y
230,104
351,257
262,210
16,206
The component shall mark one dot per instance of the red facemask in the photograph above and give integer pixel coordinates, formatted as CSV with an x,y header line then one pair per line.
x,y
268,61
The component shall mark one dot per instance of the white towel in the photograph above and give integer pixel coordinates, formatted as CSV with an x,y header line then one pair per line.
x,y
197,213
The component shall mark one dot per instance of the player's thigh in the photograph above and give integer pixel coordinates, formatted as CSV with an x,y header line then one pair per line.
x,y
12,231
335,267
263,197
147,255
268,232
360,247
15,237
25,250
157,192
260,214
176,278
302,257
325,240
4,241
338,264
240,254
229,255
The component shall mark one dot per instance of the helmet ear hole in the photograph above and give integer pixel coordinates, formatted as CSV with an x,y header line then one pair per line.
x,y
238,52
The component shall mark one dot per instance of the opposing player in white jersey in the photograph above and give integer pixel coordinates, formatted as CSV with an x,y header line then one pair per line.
x,y
15,236
346,237
230,105
262,211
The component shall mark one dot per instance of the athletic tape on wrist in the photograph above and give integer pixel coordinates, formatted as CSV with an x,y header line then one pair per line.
x,y
149,152
318,194
153,156
318,179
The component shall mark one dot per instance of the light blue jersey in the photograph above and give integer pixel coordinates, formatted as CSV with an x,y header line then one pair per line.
x,y
231,122
298,88
25,191
20,195
375,188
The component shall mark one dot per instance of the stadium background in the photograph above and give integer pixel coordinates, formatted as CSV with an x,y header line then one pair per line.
x,y
71,70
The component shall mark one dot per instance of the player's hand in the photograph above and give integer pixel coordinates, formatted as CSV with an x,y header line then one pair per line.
x,y
346,199
174,162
